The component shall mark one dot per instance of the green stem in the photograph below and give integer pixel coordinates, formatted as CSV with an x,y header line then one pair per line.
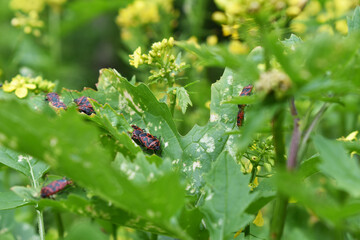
x,y
40,218
54,29
279,213
172,95
60,225
39,213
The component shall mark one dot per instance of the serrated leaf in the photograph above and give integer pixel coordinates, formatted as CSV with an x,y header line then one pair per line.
x,y
183,98
140,107
9,200
27,165
292,41
228,196
336,163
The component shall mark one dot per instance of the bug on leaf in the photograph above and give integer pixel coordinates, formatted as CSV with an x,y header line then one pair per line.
x,y
149,141
54,100
135,134
84,105
246,91
54,187
240,118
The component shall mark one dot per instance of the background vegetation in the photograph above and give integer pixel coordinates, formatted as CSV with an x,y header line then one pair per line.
x,y
290,171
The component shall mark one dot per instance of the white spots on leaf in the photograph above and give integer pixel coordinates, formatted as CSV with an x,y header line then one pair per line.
x,y
129,97
214,117
150,177
22,158
166,144
176,161
196,164
209,143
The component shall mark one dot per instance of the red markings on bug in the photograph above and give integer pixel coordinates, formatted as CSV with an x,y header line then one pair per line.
x,y
54,187
246,91
54,100
84,105
144,139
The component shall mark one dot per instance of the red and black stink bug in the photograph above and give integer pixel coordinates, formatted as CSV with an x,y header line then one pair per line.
x,y
58,104
149,141
246,91
240,118
52,97
54,187
135,134
84,105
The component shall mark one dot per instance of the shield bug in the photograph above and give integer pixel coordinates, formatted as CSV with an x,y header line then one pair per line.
x,y
54,99
246,91
149,141
84,105
240,118
136,132
54,187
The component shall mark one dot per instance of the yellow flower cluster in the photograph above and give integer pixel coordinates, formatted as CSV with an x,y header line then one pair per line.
x,y
29,22
142,12
27,14
21,85
331,15
239,12
160,56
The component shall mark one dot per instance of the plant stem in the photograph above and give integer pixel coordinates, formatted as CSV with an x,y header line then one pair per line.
x,y
54,29
295,138
60,225
279,214
306,134
39,213
41,223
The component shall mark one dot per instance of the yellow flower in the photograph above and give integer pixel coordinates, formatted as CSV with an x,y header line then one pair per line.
x,y
212,40
342,26
259,221
135,59
20,85
238,47
350,137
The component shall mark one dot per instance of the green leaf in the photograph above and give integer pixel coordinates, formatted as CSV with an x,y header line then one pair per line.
x,y
9,200
27,165
26,193
292,41
354,21
228,196
183,98
244,99
337,164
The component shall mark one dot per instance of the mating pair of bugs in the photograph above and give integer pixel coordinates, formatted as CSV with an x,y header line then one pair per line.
x,y
246,91
83,103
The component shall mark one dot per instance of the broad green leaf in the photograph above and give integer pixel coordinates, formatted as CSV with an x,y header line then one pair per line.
x,y
354,21
228,196
183,98
244,99
140,107
27,165
9,200
309,166
337,164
